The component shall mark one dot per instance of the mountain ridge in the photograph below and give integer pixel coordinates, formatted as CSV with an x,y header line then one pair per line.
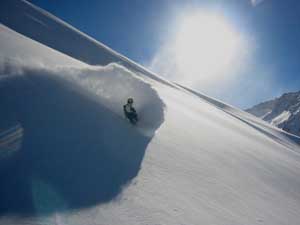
x,y
283,112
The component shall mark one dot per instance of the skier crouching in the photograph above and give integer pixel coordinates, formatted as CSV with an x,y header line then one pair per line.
x,y
130,112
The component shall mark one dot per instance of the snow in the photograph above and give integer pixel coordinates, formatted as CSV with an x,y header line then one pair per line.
x,y
76,152
10,140
282,112
112,84
191,160
284,116
265,115
24,51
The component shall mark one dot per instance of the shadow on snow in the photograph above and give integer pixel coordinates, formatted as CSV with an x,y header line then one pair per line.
x,y
75,153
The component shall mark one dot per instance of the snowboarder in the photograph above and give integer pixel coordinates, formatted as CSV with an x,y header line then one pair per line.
x,y
130,112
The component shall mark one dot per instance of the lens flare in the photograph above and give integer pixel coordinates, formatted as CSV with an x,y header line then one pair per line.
x,y
206,46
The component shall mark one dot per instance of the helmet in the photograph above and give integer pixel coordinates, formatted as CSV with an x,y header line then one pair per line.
x,y
130,100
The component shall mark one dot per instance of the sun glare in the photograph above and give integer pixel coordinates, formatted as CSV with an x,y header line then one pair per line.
x,y
206,46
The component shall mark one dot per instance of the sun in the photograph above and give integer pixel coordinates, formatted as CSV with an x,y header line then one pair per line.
x,y
206,46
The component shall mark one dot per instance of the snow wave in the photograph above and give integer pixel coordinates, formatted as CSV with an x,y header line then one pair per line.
x,y
76,145
109,85
113,84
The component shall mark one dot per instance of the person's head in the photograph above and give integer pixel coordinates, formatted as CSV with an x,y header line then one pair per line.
x,y
130,101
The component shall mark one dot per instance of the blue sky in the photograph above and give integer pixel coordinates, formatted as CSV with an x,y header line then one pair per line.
x,y
140,29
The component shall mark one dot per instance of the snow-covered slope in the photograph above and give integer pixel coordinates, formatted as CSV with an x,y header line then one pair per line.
x,y
41,26
283,112
191,160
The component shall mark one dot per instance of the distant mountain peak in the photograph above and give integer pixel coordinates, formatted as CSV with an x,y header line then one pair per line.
x,y
283,112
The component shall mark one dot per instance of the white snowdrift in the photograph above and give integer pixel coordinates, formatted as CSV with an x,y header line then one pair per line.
x,y
113,84
109,85
79,150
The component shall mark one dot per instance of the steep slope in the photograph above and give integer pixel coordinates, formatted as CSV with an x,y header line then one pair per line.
x,y
71,143
248,118
37,24
283,112
192,160
74,138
